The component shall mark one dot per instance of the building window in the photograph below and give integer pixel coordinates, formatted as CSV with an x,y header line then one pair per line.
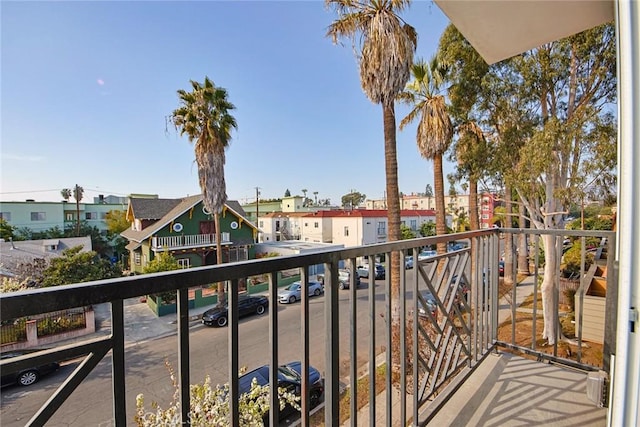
x,y
136,258
69,217
316,224
6,216
485,208
414,224
306,224
261,224
38,216
382,228
346,232
485,216
184,262
91,215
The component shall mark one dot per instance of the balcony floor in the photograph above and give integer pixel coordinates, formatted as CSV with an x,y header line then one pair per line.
x,y
507,390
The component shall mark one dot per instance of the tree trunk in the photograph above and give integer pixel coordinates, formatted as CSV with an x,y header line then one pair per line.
x,y
547,288
438,183
216,219
523,256
508,237
393,217
474,222
77,217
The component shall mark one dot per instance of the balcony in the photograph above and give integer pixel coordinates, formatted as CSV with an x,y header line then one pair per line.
x,y
187,242
455,318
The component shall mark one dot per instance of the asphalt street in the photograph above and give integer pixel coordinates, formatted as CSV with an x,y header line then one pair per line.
x,y
152,351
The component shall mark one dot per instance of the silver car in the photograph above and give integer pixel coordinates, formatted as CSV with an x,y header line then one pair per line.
x,y
292,293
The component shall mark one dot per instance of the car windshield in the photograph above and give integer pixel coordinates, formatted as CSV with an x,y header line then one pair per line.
x,y
288,374
292,287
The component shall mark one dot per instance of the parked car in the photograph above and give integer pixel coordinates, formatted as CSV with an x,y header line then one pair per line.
x,y
429,306
289,377
408,262
247,305
501,268
27,376
363,271
344,278
293,292
427,253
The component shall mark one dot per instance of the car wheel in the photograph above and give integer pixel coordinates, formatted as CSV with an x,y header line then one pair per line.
x,y
341,286
292,299
316,292
260,309
222,321
314,399
28,378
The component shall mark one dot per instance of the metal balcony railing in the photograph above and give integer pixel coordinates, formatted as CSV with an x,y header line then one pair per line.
x,y
441,330
187,241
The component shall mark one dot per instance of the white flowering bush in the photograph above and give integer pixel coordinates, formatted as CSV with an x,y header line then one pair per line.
x,y
210,405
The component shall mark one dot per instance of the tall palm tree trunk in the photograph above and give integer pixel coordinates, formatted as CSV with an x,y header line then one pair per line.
x,y
393,217
216,219
438,184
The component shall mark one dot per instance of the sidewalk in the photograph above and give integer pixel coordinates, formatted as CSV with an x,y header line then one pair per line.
x,y
141,323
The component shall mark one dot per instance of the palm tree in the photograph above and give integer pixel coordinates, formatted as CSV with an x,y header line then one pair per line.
x,y
435,129
384,45
203,116
77,194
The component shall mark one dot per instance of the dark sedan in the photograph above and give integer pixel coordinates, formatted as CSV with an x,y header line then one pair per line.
x,y
247,305
27,376
289,377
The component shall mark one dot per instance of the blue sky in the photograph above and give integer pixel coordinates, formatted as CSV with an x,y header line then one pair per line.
x,y
86,86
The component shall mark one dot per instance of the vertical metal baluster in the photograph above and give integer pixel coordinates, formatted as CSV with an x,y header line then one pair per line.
x,y
353,364
274,401
183,354
402,345
332,330
118,367
372,340
304,330
234,364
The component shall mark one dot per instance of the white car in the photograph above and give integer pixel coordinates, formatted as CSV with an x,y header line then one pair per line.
x,y
426,254
292,293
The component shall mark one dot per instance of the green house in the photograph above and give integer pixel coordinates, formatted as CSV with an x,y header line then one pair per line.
x,y
185,229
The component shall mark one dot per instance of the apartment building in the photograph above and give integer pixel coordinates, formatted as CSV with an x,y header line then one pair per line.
x,y
343,227
42,216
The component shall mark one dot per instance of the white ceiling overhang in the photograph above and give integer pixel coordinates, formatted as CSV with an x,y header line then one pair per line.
x,y
500,29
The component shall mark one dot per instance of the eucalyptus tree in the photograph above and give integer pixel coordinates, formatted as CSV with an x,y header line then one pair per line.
x,y
425,95
204,116
573,85
465,72
384,45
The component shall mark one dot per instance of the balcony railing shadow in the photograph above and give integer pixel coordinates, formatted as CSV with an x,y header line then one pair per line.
x,y
451,318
